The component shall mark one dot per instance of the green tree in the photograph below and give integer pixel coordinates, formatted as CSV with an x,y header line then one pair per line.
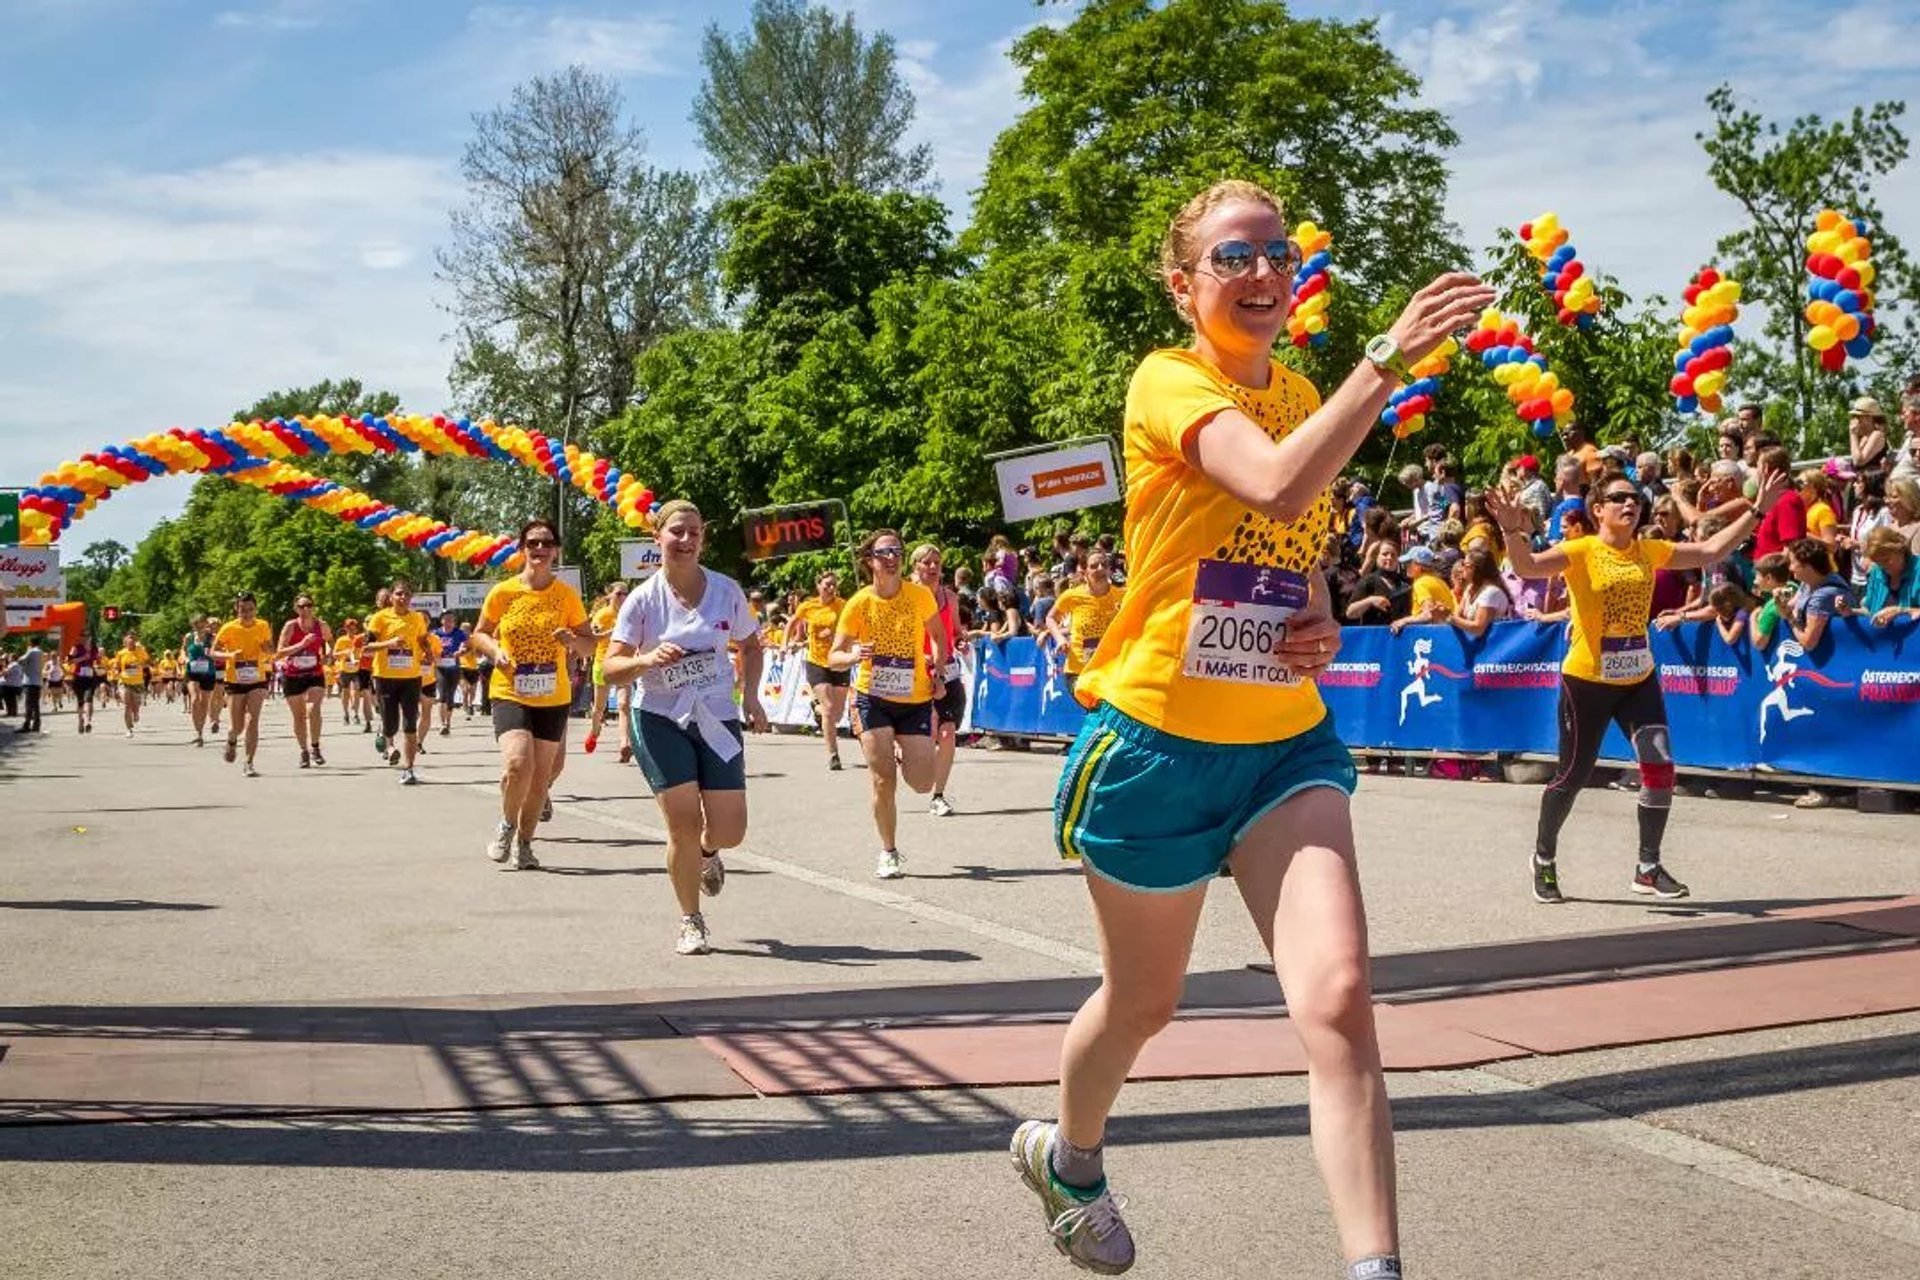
x,y
1782,177
802,86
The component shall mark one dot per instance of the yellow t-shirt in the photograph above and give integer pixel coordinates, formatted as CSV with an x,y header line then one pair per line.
x,y
897,630
403,661
1088,617
431,647
468,659
1431,588
165,667
820,620
1189,652
524,621
346,653
130,665
250,644
1611,595
602,624
1820,518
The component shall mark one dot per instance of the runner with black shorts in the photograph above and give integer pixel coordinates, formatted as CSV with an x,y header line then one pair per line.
x,y
304,643
346,666
446,667
245,644
196,659
885,634
950,708
673,633
528,625
132,670
396,638
814,624
83,662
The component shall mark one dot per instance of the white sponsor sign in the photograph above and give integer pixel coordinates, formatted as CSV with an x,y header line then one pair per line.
x,y
570,574
430,603
1043,484
467,596
30,581
640,559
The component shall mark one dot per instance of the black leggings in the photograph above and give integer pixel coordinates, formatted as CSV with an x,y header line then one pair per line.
x,y
399,705
1586,708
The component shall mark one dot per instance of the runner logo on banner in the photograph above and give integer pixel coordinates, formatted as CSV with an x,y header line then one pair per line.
x,y
773,532
1068,478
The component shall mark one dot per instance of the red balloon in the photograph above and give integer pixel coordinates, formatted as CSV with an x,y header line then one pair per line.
x,y
1714,358
1526,231
1691,294
1307,288
1567,317
1415,406
1480,339
1682,384
1834,358
1847,278
1571,272
1708,277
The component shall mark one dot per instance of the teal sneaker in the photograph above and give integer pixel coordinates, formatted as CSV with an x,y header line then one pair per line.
x,y
1086,1228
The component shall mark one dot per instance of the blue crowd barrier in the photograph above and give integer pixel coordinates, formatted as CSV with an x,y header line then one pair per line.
x,y
1849,710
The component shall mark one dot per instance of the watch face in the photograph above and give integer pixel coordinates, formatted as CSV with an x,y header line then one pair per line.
x,y
1382,347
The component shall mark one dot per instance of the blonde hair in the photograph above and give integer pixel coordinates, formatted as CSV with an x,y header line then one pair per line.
x,y
1881,540
658,517
1178,250
924,550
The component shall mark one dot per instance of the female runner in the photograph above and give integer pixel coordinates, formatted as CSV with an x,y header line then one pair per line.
x,y
245,644
816,621
84,663
951,707
887,631
304,643
1608,674
346,665
396,639
1208,744
196,659
527,626
132,667
673,633
606,610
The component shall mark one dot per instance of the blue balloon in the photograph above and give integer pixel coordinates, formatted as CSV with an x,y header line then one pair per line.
x,y
1549,277
1319,339
1424,387
1847,300
1687,404
1319,261
1680,360
464,424
1860,348
1538,361
1543,428
1390,417
1491,358
1584,321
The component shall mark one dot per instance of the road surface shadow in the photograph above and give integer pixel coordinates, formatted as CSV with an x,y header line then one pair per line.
x,y
110,904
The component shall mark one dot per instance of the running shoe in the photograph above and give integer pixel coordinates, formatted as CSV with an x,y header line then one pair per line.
x,y
306,760
834,765
1658,883
693,936
248,771
1814,799
713,875
408,778
501,845
939,807
393,756
318,758
626,755
1546,883
198,741
445,730
366,726
546,809
523,859
593,740
888,865
231,753
1088,1229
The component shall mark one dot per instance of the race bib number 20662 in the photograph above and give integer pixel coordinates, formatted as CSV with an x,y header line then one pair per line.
x,y
1239,620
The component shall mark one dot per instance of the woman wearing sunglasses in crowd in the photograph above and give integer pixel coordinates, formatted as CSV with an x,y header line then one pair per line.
x,y
304,643
886,634
527,627
673,634
1207,745
1609,673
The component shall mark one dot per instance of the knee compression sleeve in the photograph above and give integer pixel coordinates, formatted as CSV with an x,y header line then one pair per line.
x,y
1653,748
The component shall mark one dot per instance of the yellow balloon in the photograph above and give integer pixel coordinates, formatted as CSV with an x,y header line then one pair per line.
x,y
1820,337
1316,323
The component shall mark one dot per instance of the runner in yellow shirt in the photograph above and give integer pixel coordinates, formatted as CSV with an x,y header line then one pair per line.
x,y
245,644
606,610
469,676
528,626
886,635
346,665
1082,614
397,642
129,668
814,623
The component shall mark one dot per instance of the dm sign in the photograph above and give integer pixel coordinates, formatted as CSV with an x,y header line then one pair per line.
x,y
787,531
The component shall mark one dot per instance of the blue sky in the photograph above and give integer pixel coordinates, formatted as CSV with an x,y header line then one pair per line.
x,y
200,202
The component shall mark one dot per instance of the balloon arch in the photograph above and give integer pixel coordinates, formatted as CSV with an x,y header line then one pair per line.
x,y
256,453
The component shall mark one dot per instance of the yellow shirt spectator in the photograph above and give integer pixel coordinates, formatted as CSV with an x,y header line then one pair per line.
x,y
1088,617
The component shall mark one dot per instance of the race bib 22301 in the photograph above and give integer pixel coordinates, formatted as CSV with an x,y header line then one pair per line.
x,y
1239,621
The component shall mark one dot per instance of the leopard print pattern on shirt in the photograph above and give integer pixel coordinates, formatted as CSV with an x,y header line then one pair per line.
x,y
1260,539
1624,583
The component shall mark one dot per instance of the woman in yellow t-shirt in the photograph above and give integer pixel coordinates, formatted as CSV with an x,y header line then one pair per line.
x,y
886,634
1207,744
245,644
346,662
814,623
606,610
1609,675
1081,615
130,669
397,640
528,626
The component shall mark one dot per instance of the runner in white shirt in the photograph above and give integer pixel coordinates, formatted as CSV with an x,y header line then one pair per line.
x,y
673,634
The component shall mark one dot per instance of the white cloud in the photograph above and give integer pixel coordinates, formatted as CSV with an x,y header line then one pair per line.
x,y
1460,63
505,44
960,116
138,302
288,15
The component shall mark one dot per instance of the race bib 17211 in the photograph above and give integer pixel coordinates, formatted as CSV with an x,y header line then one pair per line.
x,y
890,678
1239,621
1624,659
536,679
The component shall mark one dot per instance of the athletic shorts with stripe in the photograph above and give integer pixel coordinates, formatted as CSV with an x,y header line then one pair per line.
x,y
1160,813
